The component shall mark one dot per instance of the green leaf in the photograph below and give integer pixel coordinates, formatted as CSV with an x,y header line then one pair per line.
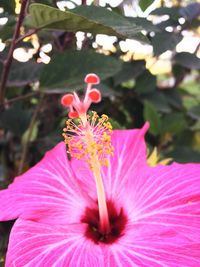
x,y
192,88
6,32
146,25
173,12
184,154
196,126
145,3
163,41
173,98
129,71
195,23
120,26
49,141
106,90
146,83
96,20
159,100
187,60
45,2
68,69
8,6
173,123
167,23
115,124
31,137
23,73
189,102
194,112
151,115
15,119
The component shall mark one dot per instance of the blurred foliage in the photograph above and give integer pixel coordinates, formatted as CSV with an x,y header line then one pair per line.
x,y
31,118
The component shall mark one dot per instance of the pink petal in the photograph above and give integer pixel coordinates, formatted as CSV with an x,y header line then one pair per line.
x,y
129,154
58,189
48,192
168,189
156,246
164,217
162,205
163,228
129,157
34,244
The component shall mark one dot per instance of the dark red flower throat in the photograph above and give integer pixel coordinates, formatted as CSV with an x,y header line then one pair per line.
x,y
117,221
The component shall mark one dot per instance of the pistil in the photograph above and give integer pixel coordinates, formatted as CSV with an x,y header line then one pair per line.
x,y
96,170
90,140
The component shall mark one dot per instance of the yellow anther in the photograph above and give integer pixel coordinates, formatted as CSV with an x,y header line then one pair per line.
x,y
106,137
104,117
92,140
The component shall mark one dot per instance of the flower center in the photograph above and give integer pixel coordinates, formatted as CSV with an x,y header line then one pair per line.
x,y
117,220
88,138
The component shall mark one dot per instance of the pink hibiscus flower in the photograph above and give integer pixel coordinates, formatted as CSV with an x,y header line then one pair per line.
x,y
74,213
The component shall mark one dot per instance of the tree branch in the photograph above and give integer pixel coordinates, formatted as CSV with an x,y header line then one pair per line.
x,y
29,33
8,61
21,97
197,48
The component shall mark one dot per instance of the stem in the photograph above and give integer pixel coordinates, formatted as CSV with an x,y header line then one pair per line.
x,y
22,97
197,48
8,62
26,144
29,33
